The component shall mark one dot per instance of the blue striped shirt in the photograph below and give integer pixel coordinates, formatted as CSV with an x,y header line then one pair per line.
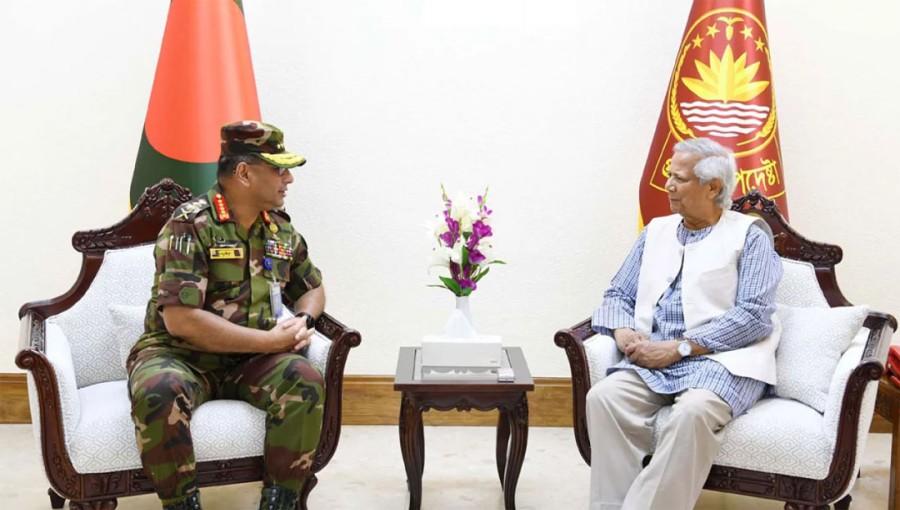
x,y
759,271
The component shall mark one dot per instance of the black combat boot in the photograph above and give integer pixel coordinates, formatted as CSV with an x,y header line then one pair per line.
x,y
277,498
191,503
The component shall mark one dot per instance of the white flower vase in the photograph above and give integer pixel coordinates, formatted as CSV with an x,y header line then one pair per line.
x,y
459,325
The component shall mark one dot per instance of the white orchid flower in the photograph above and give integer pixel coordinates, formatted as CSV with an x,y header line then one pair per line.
x,y
456,252
437,227
463,210
487,249
440,257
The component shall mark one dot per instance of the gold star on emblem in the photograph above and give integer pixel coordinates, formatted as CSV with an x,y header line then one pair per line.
x,y
712,30
698,41
747,32
760,44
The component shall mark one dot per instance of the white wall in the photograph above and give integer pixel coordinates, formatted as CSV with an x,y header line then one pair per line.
x,y
550,102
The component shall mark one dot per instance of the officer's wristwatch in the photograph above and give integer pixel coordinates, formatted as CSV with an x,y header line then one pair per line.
x,y
310,320
684,348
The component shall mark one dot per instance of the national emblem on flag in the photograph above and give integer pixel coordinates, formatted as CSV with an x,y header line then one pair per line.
x,y
721,88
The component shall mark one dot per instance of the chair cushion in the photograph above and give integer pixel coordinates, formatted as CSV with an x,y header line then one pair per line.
x,y
318,351
601,353
811,344
128,326
104,439
775,436
799,285
60,357
125,278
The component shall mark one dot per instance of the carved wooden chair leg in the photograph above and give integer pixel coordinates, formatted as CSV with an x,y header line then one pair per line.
x,y
843,503
308,486
56,501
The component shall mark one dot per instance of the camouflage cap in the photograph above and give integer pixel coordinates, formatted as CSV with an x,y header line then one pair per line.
x,y
259,139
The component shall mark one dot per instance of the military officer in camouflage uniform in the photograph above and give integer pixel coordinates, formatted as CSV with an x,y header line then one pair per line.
x,y
217,326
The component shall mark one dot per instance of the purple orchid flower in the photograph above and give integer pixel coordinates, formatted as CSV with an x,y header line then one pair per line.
x,y
483,211
452,234
481,230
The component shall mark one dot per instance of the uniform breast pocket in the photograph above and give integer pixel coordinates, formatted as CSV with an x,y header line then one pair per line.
x,y
281,271
225,278
228,270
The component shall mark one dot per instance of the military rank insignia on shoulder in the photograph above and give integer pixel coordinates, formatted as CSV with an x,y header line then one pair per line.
x,y
190,209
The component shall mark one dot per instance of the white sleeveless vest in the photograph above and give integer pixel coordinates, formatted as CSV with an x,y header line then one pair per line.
x,y
709,279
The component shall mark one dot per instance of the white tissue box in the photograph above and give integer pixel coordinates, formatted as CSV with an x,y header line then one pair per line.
x,y
480,352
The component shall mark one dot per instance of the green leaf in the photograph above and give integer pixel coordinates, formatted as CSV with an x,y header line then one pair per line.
x,y
466,292
451,284
465,257
481,275
495,262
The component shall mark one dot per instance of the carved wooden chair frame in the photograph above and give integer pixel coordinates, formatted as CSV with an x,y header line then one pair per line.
x,y
98,491
798,493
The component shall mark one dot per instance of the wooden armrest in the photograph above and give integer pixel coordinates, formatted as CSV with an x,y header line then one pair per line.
x,y
868,371
572,340
343,339
32,357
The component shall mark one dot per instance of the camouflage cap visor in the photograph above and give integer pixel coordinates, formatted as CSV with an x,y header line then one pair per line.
x,y
283,159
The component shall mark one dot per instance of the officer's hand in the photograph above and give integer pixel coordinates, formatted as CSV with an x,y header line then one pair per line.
x,y
284,337
303,337
625,337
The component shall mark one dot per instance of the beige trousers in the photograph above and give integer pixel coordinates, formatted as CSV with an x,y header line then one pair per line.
x,y
620,414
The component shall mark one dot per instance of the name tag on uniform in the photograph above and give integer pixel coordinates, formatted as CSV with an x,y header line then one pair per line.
x,y
226,253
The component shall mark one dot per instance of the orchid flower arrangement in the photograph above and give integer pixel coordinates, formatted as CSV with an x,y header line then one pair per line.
x,y
463,233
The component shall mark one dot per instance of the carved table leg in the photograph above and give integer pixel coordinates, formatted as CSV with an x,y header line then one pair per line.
x,y
502,442
420,444
56,501
412,450
893,501
519,431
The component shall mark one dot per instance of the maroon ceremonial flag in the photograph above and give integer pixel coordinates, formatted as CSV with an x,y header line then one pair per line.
x,y
721,88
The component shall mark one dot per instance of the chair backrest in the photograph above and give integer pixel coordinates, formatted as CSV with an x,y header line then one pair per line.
x,y
791,245
124,278
116,268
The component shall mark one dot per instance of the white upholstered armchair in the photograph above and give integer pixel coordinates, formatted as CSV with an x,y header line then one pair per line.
x,y
74,348
802,444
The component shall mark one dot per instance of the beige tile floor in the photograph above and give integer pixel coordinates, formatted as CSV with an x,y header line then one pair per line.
x,y
460,474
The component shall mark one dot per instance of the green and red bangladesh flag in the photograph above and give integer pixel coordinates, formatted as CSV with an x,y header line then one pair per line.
x,y
204,79
721,88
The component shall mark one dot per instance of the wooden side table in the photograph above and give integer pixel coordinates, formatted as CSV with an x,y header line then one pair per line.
x,y
887,404
512,426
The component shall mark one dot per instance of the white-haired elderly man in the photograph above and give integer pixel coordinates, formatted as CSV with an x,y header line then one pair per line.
x,y
692,310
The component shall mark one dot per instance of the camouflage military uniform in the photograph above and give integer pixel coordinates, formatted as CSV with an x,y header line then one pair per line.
x,y
206,260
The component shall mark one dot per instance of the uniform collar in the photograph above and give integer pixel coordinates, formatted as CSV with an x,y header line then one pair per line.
x,y
220,209
222,213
